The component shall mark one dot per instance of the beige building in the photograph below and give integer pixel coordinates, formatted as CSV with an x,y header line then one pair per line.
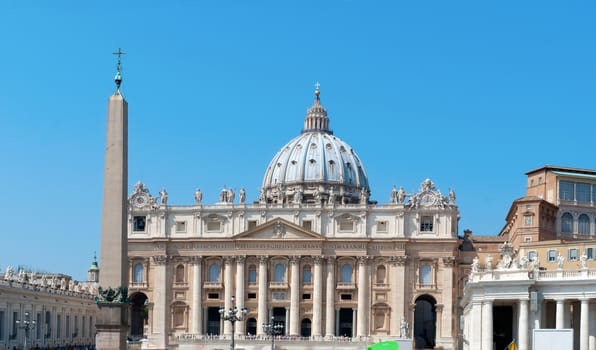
x,y
313,252
47,310
543,275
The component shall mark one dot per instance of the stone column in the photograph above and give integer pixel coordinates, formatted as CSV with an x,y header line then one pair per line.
x,y
448,312
487,325
522,332
584,324
262,298
240,325
475,326
330,299
397,280
317,301
363,304
197,286
295,295
228,290
592,329
161,310
560,320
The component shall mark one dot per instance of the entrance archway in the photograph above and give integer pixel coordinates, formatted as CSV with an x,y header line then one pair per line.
x,y
279,318
346,322
139,315
425,322
305,328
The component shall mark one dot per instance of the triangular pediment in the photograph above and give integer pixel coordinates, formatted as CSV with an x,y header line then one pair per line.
x,y
279,229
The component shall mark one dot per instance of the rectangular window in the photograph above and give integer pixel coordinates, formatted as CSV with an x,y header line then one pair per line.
x,y
590,253
426,224
552,255
307,224
213,296
381,226
566,190
573,254
138,223
527,239
346,297
305,296
180,226
582,192
528,220
213,226
531,255
252,295
346,226
252,224
252,276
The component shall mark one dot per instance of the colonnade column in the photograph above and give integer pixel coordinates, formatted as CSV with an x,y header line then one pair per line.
x,y
446,328
228,285
522,330
161,319
560,319
363,304
240,326
592,329
330,299
197,308
487,325
584,324
397,280
262,315
294,295
317,298
476,332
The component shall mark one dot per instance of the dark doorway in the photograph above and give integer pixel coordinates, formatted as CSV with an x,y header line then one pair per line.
x,y
251,326
213,321
346,322
502,326
279,317
139,315
425,322
305,328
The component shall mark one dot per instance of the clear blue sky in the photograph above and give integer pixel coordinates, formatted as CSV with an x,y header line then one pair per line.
x,y
471,94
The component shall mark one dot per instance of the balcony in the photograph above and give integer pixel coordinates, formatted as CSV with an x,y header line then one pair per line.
x,y
346,285
278,285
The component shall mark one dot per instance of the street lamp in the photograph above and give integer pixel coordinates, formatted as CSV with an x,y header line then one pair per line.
x,y
232,315
272,329
27,325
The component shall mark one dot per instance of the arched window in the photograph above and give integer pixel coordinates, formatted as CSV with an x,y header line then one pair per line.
x,y
138,274
214,272
306,275
252,274
381,273
426,278
180,274
567,223
279,272
583,227
346,273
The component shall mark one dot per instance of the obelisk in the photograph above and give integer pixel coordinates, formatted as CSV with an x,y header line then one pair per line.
x,y
112,319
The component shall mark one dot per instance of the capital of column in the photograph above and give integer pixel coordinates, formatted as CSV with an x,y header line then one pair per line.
x,y
330,259
294,259
363,260
449,261
263,259
439,307
161,259
317,260
196,260
399,260
228,260
240,259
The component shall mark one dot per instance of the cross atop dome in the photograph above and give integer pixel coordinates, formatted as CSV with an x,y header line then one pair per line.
x,y
316,116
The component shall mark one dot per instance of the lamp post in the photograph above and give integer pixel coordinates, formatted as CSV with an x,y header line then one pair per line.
x,y
27,325
272,329
232,315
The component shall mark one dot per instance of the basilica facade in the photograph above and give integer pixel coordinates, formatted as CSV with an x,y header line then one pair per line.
x,y
314,254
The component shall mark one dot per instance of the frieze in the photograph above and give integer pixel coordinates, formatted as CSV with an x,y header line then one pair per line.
x,y
346,245
278,245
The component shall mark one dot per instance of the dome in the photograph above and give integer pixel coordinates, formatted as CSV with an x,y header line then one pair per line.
x,y
315,167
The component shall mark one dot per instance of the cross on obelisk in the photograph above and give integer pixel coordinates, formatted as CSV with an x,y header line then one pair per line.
x,y
118,77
